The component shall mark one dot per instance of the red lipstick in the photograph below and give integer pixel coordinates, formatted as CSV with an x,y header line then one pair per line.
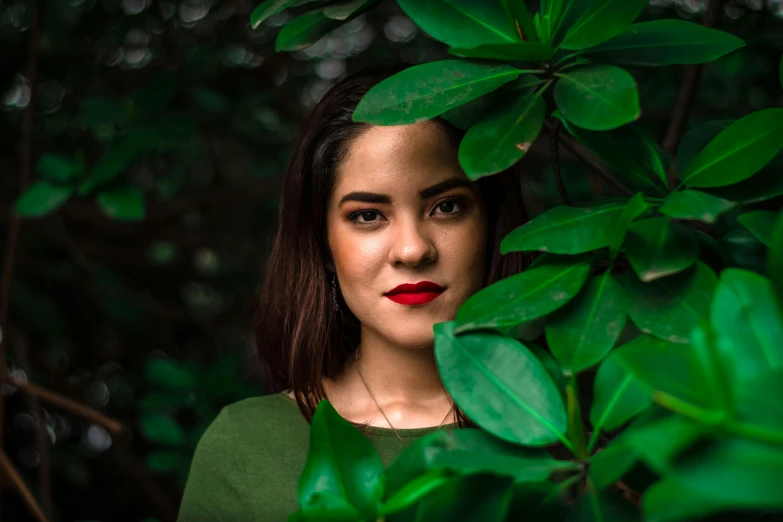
x,y
415,294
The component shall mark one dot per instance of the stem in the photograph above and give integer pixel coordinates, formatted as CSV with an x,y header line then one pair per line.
x,y
593,440
576,430
555,150
10,472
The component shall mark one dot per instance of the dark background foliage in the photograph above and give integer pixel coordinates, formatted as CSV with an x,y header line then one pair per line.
x,y
140,307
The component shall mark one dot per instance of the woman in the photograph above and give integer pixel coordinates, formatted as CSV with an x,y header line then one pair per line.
x,y
381,235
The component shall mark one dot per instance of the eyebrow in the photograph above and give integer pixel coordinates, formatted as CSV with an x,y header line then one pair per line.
x,y
434,190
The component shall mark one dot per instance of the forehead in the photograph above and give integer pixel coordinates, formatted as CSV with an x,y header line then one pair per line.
x,y
396,159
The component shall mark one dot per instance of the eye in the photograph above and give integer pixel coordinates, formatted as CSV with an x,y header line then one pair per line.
x,y
449,206
364,217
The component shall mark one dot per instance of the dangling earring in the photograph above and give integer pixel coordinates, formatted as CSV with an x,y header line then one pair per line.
x,y
335,306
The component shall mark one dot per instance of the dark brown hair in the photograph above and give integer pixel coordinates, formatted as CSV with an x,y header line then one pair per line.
x,y
299,338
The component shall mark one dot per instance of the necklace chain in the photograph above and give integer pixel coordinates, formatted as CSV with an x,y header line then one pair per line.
x,y
381,409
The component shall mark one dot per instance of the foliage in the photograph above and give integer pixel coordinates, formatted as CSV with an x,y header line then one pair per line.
x,y
691,393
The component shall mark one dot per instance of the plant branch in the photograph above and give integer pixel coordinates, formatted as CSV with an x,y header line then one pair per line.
x,y
555,149
8,469
67,404
591,161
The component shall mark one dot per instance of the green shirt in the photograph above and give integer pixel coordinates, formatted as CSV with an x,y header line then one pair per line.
x,y
247,463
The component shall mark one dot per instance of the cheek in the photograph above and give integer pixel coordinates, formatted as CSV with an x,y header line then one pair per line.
x,y
464,249
357,256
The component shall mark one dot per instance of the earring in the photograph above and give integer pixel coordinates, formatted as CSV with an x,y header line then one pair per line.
x,y
335,306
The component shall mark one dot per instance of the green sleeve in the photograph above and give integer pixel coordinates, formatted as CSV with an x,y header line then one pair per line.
x,y
212,491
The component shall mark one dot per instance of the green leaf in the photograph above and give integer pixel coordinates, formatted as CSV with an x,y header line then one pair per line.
x,y
565,230
670,308
694,141
475,498
635,208
659,247
428,90
42,198
124,203
521,51
669,500
526,407
760,224
582,332
58,169
160,428
329,507
598,97
119,157
600,21
758,400
692,204
498,142
775,258
468,114
267,9
461,23
745,311
345,10
660,442
618,396
739,151
522,21
303,31
612,462
714,471
665,42
341,462
170,374
414,491
534,293
551,366
602,506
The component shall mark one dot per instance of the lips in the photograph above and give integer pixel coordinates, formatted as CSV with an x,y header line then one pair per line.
x,y
415,294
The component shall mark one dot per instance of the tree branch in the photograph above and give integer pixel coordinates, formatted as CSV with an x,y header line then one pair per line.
x,y
8,469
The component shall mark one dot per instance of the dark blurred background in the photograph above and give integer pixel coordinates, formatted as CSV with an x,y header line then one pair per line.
x,y
133,296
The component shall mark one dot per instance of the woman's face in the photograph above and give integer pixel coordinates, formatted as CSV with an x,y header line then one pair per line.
x,y
403,212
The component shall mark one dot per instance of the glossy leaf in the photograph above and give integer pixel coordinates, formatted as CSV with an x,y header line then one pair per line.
x,y
565,230
760,224
550,365
534,293
581,333
692,204
341,462
600,21
304,30
665,42
329,507
342,11
670,308
525,406
473,498
602,506
58,169
745,311
633,209
413,491
518,13
160,428
42,198
696,139
739,151
669,500
170,374
498,142
598,97
660,442
469,114
125,203
612,462
522,51
461,23
659,247
267,9
758,400
425,91
618,396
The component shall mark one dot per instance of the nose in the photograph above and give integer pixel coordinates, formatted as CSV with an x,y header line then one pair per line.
x,y
413,245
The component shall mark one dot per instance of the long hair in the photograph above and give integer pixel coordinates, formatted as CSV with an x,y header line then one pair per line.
x,y
300,340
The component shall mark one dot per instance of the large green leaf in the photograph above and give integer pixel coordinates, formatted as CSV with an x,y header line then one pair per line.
x,y
612,462
414,491
521,20
598,97
498,142
600,21
665,42
342,11
669,500
341,462
618,396
428,90
267,9
739,151
565,230
633,209
125,203
715,469
323,507
461,23
692,204
58,169
534,293
473,498
670,308
658,443
694,141
493,104
581,333
303,31
500,385
760,224
745,311
42,198
602,506
521,51
659,247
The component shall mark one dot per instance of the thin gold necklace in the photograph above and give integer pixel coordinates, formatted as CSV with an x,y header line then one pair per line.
x,y
381,409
